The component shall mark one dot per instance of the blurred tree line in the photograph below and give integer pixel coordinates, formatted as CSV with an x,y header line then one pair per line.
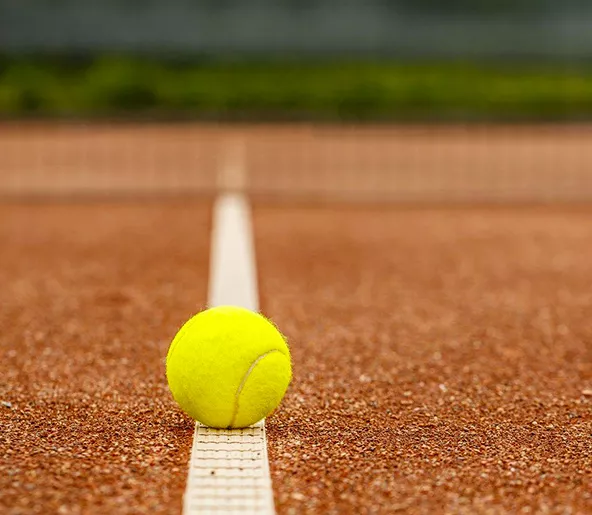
x,y
222,59
112,86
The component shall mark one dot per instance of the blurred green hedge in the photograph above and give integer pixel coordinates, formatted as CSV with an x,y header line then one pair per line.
x,y
114,86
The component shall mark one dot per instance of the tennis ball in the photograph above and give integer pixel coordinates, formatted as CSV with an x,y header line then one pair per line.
x,y
228,367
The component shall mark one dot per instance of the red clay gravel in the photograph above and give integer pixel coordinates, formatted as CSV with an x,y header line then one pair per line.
x,y
90,297
442,358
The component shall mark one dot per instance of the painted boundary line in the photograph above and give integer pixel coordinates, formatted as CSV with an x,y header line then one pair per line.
x,y
229,469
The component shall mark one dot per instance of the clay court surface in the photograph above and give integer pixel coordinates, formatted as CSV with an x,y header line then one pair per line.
x,y
442,350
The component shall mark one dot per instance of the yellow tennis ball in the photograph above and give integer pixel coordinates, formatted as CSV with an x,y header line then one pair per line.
x,y
228,367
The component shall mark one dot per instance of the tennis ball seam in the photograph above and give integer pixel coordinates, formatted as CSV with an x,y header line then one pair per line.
x,y
244,381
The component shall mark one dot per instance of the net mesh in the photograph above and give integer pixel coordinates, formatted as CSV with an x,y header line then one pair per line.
x,y
367,163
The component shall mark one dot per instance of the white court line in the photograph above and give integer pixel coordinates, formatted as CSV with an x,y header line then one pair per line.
x,y
233,273
229,469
